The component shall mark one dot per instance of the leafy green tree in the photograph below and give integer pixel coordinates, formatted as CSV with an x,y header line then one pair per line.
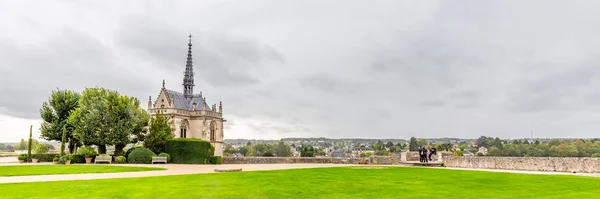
x,y
482,142
283,150
41,149
307,151
30,144
389,145
413,145
422,142
55,114
494,151
160,133
106,118
564,150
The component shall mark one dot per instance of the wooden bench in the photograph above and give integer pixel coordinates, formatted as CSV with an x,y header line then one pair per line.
x,y
103,159
159,159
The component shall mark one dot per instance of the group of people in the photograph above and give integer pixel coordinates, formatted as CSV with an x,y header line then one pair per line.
x,y
425,154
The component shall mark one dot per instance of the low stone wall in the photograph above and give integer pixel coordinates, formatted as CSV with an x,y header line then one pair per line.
x,y
557,164
383,160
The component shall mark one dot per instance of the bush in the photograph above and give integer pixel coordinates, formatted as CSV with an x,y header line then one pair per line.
x,y
120,160
140,155
64,159
55,159
165,155
130,150
216,160
22,157
87,151
189,151
76,158
40,157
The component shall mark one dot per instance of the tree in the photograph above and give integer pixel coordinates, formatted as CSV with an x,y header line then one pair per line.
x,y
482,142
307,151
106,118
422,142
494,151
41,149
55,114
414,146
389,145
29,147
160,132
283,150
564,150
22,145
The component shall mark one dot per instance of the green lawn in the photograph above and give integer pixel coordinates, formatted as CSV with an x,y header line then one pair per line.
x,y
357,182
25,170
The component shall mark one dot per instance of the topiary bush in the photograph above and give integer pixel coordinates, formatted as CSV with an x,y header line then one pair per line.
x,y
216,160
130,150
165,155
189,151
140,155
120,160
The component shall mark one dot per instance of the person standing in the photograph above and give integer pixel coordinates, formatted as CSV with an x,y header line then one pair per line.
x,y
425,154
420,154
432,152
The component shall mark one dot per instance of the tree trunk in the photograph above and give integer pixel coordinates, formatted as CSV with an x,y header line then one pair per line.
x,y
102,149
71,147
119,149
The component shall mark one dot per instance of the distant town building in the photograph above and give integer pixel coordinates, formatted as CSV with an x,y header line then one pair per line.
x,y
483,150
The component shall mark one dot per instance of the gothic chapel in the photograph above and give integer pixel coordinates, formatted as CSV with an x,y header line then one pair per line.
x,y
191,115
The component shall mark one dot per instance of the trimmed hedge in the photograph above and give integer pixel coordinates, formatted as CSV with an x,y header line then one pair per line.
x,y
141,156
76,158
189,151
40,157
165,155
216,160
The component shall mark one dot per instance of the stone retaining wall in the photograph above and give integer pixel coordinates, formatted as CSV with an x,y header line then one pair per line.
x,y
383,160
557,164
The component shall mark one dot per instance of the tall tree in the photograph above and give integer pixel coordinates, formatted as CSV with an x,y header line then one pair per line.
x,y
283,150
413,145
106,118
389,145
29,147
160,132
482,142
55,113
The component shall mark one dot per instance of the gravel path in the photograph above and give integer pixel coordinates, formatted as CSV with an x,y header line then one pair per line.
x,y
180,169
172,169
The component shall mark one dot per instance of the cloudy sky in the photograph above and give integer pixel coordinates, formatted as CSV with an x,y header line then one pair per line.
x,y
327,68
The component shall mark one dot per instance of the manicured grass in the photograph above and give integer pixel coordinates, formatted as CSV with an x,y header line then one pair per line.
x,y
357,182
25,170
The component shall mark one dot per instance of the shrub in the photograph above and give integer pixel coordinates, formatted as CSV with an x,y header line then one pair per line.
x,y
165,155
216,160
189,151
87,151
22,157
76,158
64,159
120,160
140,155
40,157
55,159
130,150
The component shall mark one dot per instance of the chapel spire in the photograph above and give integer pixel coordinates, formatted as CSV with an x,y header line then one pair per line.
x,y
188,78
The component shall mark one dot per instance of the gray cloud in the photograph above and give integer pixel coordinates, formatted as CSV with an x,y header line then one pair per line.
x,y
395,69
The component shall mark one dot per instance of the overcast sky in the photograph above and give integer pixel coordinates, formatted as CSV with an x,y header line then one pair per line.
x,y
326,68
